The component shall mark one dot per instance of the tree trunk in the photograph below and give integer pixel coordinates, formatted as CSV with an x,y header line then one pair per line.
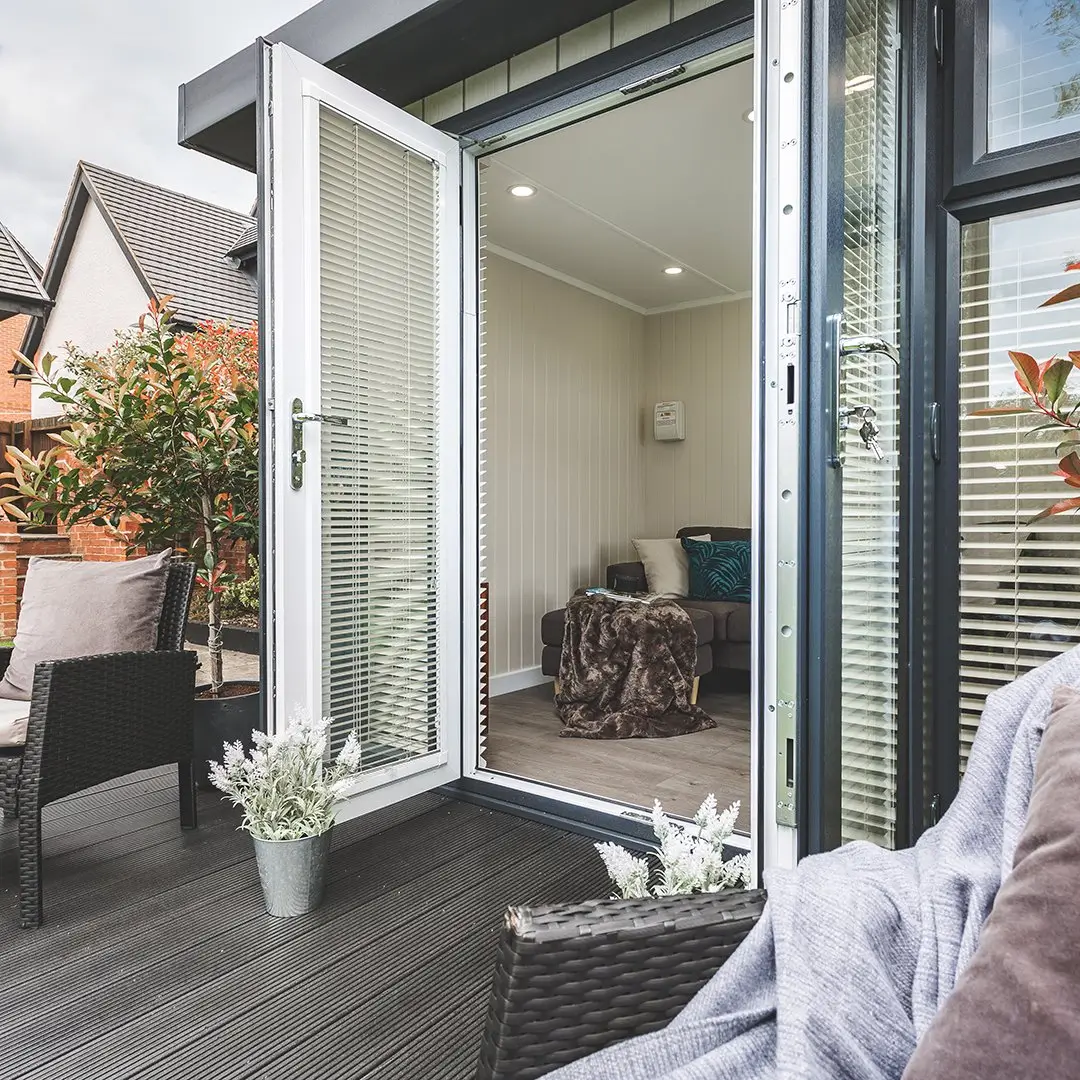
x,y
213,604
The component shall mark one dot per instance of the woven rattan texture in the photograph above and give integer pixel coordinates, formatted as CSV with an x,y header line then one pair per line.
x,y
572,979
95,718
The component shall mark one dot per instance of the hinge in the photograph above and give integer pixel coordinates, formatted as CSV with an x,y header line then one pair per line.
x,y
938,15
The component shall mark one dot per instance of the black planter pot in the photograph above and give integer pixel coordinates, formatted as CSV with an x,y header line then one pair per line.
x,y
221,720
233,638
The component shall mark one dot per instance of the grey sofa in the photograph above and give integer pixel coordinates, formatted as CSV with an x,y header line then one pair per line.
x,y
722,626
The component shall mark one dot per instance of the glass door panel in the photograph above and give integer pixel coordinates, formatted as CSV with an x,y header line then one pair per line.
x,y
1019,578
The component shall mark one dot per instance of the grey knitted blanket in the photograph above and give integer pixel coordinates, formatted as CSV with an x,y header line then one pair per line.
x,y
859,947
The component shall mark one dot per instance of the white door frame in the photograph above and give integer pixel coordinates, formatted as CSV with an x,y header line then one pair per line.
x,y
295,88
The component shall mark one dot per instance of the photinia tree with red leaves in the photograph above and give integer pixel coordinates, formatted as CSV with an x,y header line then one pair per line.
x,y
1045,385
164,439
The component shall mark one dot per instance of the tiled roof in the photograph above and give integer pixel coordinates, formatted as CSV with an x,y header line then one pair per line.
x,y
20,276
181,245
244,245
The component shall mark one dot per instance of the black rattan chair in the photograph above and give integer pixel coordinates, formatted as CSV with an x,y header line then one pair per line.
x,y
573,978
95,718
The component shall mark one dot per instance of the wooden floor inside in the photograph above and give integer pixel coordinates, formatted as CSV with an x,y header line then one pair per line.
x,y
523,740
156,959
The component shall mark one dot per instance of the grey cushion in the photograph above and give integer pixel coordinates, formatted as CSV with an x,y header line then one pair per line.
x,y
1015,1010
738,624
82,608
721,612
13,717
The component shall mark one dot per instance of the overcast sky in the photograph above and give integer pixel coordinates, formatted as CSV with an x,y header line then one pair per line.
x,y
98,81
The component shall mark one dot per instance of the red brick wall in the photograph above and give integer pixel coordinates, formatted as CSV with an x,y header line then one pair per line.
x,y
14,396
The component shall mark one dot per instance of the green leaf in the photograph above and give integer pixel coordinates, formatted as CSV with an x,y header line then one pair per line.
x,y
1054,378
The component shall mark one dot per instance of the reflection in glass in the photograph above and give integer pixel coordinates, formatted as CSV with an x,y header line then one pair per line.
x,y
1019,581
1033,85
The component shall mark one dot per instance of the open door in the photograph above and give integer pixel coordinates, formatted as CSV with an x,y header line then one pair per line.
x,y
831,388
360,255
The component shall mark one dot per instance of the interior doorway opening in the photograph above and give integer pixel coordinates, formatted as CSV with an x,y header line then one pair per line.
x,y
616,309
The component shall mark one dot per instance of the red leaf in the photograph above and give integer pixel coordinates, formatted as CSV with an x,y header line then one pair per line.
x,y
1070,292
1070,464
1027,372
1001,410
1058,508
1073,266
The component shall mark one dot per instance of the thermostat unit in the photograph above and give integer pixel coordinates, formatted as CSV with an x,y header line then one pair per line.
x,y
669,421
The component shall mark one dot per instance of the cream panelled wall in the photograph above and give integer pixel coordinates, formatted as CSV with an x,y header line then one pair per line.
x,y
573,472
622,25
564,383
702,357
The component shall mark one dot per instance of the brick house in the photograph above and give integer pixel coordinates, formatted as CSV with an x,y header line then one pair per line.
x,y
21,295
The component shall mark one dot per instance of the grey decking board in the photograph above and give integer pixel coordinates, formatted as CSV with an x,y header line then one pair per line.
x,y
411,918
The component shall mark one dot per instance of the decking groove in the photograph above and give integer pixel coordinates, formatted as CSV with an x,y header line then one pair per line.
x,y
157,961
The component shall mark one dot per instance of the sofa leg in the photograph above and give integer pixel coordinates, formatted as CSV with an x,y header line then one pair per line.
x,y
694,687
558,687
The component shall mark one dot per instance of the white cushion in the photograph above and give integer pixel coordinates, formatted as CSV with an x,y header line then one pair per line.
x,y
666,568
13,717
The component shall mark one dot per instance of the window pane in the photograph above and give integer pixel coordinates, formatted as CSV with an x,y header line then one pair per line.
x,y
1019,579
378,236
870,487
1034,71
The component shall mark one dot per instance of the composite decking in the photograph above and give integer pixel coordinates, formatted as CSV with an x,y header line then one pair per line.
x,y
157,961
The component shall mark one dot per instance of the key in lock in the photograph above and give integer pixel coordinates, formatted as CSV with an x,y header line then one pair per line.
x,y
868,429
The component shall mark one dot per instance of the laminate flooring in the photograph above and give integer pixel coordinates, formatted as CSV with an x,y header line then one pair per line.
x,y
523,740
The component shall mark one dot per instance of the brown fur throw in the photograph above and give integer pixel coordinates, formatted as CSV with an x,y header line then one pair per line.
x,y
626,671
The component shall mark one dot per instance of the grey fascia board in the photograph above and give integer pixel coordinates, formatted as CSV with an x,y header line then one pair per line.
x,y
322,33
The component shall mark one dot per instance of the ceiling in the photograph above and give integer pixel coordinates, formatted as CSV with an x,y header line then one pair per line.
x,y
665,181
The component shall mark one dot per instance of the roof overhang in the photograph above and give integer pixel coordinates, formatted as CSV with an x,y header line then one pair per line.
x,y
401,50
10,305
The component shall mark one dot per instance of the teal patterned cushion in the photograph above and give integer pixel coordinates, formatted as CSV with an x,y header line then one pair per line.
x,y
719,569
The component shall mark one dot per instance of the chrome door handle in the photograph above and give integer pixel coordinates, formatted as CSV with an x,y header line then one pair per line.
x,y
320,418
841,346
298,455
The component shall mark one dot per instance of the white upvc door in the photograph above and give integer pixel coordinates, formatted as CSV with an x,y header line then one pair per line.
x,y
363,325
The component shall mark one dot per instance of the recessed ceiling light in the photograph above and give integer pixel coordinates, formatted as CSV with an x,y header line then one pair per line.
x,y
748,116
522,191
672,270
859,83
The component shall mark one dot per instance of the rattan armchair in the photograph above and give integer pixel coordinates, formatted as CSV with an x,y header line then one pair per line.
x,y
574,978
96,718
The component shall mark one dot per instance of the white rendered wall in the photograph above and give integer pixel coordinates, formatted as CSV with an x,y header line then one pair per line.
x,y
98,295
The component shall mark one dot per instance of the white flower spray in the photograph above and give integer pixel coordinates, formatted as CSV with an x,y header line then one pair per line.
x,y
691,857
287,788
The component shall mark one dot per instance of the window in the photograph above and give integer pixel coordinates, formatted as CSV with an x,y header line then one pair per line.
x,y
1033,71
1019,579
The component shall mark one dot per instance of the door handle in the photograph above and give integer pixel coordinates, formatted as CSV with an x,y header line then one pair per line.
x,y
841,346
298,455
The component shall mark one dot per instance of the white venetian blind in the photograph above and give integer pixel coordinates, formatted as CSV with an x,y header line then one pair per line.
x,y
379,263
1019,579
870,488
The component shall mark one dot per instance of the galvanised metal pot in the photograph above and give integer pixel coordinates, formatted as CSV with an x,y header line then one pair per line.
x,y
293,873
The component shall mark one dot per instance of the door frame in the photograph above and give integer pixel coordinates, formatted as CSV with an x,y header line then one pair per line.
x,y
290,370
720,27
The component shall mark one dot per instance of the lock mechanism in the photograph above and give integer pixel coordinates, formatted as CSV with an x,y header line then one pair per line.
x,y
298,455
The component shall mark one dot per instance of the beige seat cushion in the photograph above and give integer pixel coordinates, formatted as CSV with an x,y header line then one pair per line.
x,y
666,568
83,608
13,717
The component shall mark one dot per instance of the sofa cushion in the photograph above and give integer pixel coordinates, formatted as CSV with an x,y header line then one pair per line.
x,y
1015,1010
82,608
13,717
665,565
719,569
721,612
738,624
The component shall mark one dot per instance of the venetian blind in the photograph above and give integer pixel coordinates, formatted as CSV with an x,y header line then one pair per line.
x,y
1019,581
870,488
379,263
